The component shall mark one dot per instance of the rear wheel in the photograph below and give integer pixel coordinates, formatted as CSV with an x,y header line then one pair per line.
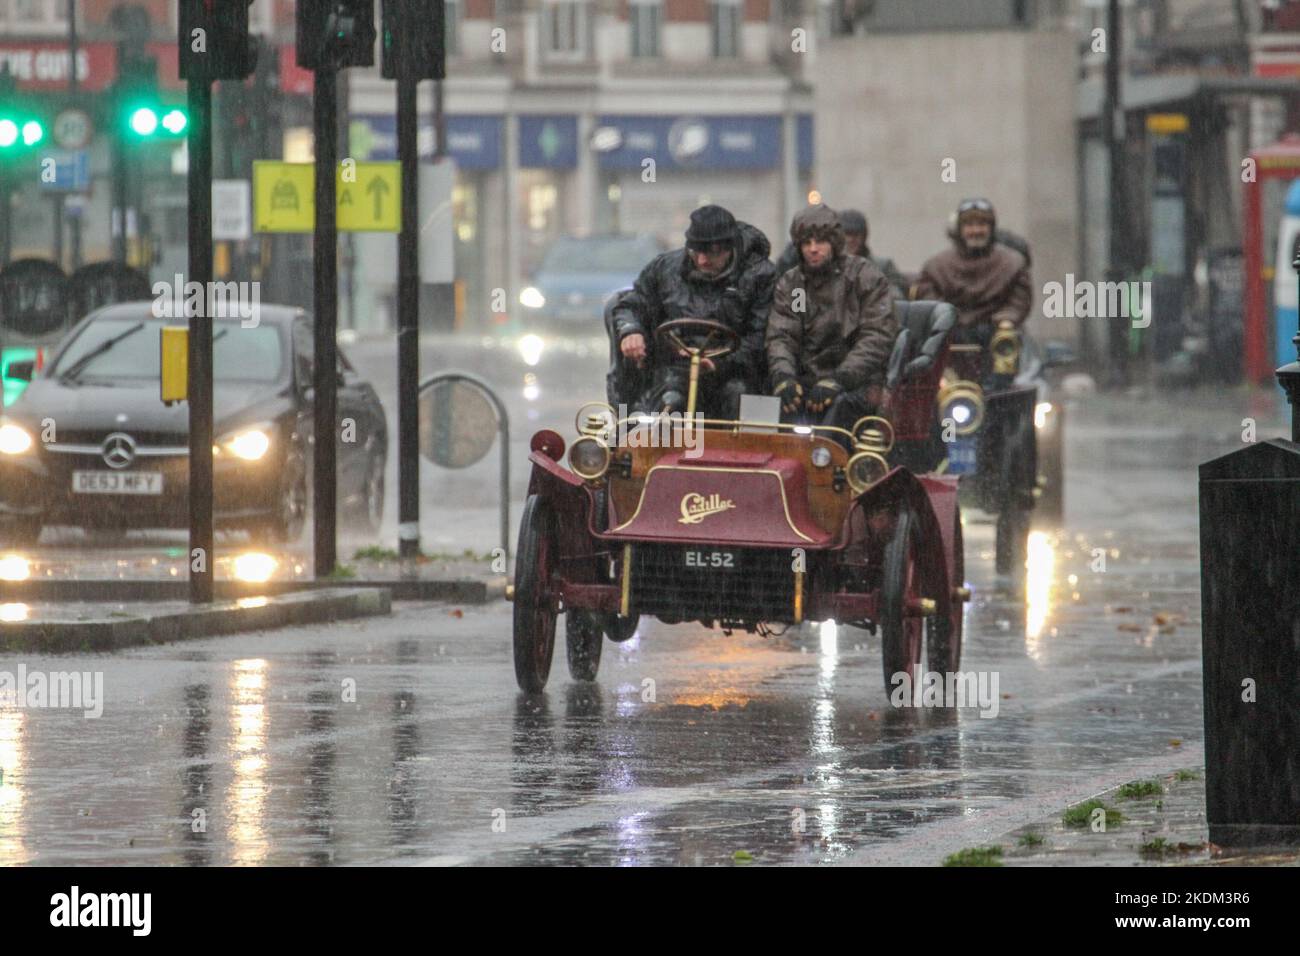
x,y
534,605
901,633
583,637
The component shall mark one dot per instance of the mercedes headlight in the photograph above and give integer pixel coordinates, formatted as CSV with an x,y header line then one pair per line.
x,y
532,298
250,444
589,458
14,440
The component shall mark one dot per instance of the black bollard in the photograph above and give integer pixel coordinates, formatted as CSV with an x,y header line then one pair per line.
x,y
1250,610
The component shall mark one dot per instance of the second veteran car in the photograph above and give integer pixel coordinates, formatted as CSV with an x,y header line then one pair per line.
x,y
91,444
737,524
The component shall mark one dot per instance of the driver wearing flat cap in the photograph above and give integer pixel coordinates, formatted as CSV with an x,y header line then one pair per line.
x,y
722,274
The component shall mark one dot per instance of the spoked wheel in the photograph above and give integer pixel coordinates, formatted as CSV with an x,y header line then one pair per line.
x,y
943,639
535,609
583,636
901,633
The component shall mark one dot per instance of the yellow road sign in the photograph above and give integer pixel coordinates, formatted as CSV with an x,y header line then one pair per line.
x,y
284,198
371,201
369,197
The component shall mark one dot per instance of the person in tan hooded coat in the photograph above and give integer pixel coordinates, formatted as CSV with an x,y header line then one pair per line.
x,y
986,281
831,328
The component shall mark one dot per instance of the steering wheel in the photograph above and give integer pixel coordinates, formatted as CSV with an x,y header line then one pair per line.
x,y
718,339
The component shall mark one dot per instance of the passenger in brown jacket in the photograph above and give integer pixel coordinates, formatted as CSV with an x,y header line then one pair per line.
x,y
831,329
987,282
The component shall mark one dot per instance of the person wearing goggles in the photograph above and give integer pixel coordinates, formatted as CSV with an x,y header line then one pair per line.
x,y
984,277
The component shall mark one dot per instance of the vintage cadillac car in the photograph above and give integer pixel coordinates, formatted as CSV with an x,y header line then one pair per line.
x,y
741,524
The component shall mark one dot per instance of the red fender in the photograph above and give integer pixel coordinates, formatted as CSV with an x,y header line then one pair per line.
x,y
933,499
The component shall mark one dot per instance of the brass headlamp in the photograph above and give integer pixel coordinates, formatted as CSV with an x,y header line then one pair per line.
x,y
873,437
963,402
1005,348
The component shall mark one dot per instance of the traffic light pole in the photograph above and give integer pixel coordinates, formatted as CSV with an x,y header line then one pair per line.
x,y
408,307
200,345
325,375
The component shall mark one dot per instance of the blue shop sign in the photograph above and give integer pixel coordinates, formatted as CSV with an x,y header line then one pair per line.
x,y
473,141
548,142
689,142
804,133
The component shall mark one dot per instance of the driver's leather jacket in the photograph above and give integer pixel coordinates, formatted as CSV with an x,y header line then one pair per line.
x,y
740,298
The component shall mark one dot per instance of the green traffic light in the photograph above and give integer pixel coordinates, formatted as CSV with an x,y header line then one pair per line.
x,y
144,121
8,133
175,122
33,133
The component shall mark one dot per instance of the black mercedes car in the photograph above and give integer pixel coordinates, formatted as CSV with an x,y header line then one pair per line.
x,y
91,444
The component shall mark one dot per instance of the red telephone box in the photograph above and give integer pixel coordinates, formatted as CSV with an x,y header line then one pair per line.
x,y
1275,167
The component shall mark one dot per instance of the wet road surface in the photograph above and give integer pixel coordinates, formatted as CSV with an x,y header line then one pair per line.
x,y
692,745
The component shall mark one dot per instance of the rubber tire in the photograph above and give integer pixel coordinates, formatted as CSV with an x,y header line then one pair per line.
x,y
901,636
283,528
944,634
583,638
534,608
1012,548
619,628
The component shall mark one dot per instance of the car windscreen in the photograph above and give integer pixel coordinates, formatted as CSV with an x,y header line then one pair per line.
x,y
238,354
600,254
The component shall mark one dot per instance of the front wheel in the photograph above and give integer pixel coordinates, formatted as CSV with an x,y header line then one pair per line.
x,y
583,637
289,515
901,633
534,605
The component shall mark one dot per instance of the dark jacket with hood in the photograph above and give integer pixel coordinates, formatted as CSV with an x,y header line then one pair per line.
x,y
739,297
845,329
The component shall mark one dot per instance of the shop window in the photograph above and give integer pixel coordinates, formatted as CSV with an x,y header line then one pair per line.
x,y
542,201
34,16
725,17
564,29
464,211
645,21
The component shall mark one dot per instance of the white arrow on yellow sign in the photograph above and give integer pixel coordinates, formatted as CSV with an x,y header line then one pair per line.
x,y
369,197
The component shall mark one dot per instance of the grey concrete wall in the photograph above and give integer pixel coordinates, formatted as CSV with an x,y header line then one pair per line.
x,y
891,109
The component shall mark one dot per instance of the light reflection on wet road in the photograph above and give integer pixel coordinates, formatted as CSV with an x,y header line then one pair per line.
x,y
404,740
